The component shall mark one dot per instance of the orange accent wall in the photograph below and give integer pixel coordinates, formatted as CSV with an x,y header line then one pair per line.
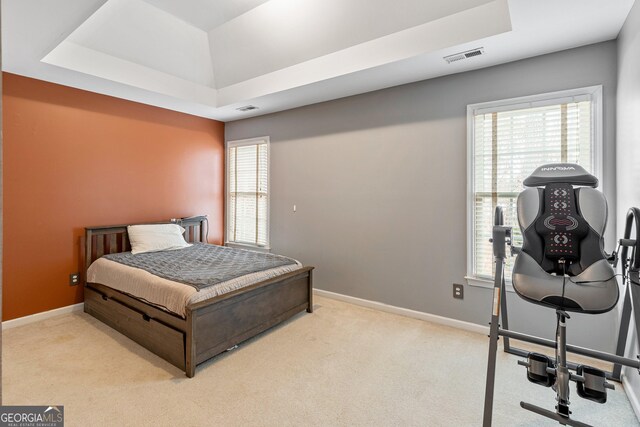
x,y
73,159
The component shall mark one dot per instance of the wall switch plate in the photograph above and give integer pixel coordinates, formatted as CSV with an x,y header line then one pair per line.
x,y
458,291
74,279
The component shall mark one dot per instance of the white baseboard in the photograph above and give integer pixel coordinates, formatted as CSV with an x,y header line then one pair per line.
x,y
631,395
441,320
42,316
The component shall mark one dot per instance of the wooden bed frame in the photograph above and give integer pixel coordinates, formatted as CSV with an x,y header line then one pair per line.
x,y
210,327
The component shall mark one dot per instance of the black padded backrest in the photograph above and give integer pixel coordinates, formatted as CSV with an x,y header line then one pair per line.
x,y
560,226
560,222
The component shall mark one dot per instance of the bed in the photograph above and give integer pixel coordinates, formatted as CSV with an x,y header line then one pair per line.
x,y
206,327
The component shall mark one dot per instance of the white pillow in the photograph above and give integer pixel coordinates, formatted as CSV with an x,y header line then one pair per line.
x,y
156,237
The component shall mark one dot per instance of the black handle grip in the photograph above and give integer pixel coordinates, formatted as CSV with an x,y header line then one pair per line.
x,y
633,218
498,218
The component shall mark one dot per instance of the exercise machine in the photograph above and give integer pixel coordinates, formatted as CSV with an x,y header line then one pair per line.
x,y
562,265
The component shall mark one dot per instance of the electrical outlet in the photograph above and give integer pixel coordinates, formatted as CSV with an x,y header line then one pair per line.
x,y
458,291
74,279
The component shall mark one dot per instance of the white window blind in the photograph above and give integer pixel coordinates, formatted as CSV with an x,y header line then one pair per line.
x,y
507,145
247,192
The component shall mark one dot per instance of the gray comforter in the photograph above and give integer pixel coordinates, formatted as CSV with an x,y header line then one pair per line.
x,y
201,265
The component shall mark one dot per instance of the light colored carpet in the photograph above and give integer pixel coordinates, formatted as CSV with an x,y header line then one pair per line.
x,y
340,366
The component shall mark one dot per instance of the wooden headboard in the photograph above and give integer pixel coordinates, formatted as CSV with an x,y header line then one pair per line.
x,y
109,239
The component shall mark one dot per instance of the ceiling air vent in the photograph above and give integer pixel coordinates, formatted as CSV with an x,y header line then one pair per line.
x,y
247,108
464,55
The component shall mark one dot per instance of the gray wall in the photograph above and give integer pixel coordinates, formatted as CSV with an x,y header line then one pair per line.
x,y
628,135
379,181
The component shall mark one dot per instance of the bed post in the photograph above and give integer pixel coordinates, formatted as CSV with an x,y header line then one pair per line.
x,y
310,307
88,242
190,345
203,236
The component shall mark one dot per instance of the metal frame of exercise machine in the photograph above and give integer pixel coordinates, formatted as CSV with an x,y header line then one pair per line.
x,y
502,237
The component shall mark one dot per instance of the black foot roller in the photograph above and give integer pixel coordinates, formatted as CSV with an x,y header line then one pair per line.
x,y
537,365
594,385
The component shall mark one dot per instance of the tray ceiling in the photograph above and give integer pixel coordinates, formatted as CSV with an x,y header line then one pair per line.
x,y
211,57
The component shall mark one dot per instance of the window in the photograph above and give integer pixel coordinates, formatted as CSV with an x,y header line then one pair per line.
x,y
248,192
507,141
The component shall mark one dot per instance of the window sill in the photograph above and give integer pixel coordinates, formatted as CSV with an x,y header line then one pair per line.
x,y
486,283
248,247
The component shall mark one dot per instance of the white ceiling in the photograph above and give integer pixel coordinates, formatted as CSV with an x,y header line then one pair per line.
x,y
210,57
306,30
206,14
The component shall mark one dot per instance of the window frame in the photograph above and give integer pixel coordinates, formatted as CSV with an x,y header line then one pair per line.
x,y
243,143
593,93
